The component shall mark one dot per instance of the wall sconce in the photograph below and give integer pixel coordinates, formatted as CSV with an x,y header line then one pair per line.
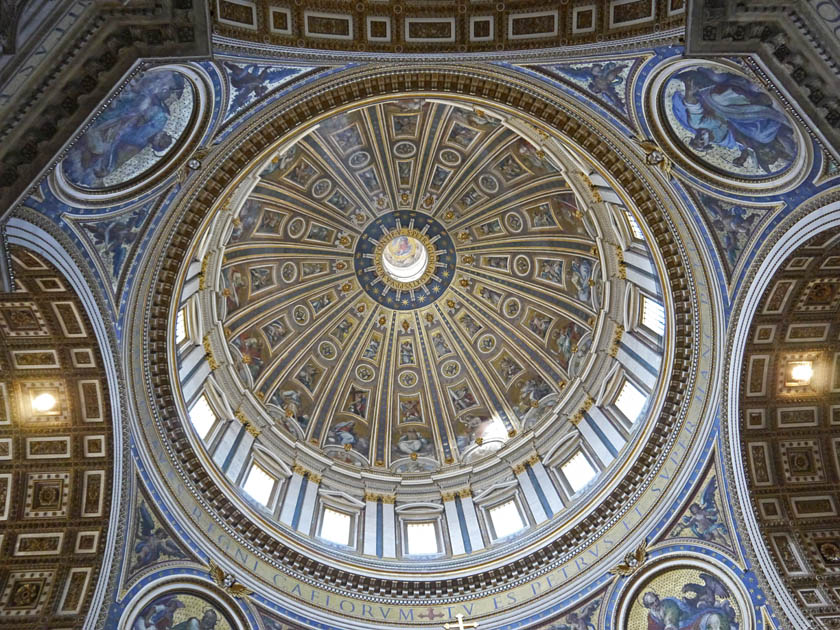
x,y
799,373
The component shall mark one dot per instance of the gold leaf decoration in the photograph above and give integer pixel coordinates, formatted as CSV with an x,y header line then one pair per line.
x,y
227,582
633,561
655,157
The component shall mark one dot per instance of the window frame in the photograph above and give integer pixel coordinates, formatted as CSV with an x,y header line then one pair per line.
x,y
188,315
273,494
623,382
406,527
650,332
512,498
632,222
567,484
207,438
181,323
352,528
419,513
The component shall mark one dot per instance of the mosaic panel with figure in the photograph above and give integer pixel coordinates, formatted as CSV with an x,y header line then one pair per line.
x,y
685,599
137,130
727,121
182,611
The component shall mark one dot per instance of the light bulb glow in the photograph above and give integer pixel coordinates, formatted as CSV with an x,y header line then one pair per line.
x,y
802,372
44,402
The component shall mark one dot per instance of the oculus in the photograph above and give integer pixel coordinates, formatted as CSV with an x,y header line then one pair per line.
x,y
405,267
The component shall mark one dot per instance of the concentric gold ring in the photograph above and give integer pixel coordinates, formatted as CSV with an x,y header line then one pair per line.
x,y
425,241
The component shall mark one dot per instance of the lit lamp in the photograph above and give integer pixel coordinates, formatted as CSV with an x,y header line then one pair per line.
x,y
800,373
44,403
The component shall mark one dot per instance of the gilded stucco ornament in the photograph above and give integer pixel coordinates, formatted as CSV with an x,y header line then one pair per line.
x,y
227,582
633,561
655,157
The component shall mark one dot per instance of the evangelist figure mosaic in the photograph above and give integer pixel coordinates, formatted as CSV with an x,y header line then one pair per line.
x,y
181,611
729,122
685,599
136,130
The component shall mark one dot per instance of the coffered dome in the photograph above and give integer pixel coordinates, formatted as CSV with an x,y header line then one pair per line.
x,y
410,285
414,295
417,334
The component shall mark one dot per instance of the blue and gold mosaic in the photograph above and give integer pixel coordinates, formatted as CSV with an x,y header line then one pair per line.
x,y
415,231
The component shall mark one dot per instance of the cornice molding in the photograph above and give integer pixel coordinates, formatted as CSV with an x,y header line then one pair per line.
x,y
790,40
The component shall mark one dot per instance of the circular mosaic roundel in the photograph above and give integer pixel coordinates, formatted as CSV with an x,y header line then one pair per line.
x,y
728,122
186,610
404,260
137,130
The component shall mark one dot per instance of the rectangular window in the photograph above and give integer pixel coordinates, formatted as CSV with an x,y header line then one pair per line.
x,y
335,526
653,315
422,538
180,327
578,471
634,225
630,401
506,519
259,484
202,417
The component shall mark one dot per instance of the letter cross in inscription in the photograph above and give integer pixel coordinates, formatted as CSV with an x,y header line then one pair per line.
x,y
432,614
461,625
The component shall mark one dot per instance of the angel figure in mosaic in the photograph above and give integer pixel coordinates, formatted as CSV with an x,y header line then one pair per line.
x,y
251,81
412,442
581,278
579,619
280,162
406,353
441,347
533,390
372,349
602,79
308,375
290,402
152,542
462,398
508,368
344,434
410,411
704,519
